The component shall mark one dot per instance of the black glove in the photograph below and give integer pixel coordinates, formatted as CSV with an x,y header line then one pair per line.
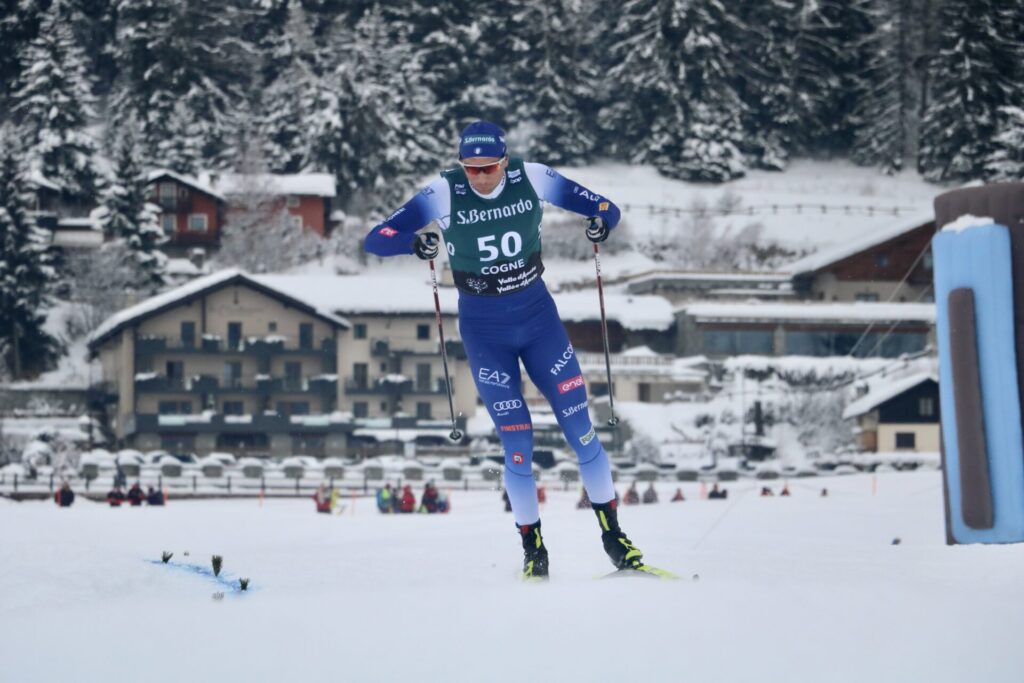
x,y
597,229
425,245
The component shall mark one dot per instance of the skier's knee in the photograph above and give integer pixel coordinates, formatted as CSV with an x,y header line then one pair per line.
x,y
519,462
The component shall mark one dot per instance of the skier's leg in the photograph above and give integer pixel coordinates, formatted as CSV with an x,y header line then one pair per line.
x,y
498,381
552,365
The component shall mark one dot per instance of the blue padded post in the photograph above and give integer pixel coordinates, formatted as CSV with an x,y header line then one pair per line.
x,y
979,259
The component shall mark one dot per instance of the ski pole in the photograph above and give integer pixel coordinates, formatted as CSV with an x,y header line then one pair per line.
x,y
455,434
612,421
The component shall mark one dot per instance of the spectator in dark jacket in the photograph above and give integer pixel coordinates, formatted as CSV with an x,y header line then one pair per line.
x,y
407,503
64,496
443,505
136,495
154,497
717,493
678,497
766,491
116,497
650,495
584,501
428,501
785,490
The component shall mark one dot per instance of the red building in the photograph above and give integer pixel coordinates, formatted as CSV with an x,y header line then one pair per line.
x,y
191,212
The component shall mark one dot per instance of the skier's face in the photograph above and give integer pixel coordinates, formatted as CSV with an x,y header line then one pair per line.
x,y
485,173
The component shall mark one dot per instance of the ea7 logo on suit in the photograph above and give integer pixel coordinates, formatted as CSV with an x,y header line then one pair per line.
x,y
495,378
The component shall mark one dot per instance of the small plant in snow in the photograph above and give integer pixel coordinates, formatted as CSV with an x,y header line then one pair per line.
x,y
217,562
166,557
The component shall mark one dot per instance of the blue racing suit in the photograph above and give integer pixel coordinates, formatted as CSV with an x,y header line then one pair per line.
x,y
499,331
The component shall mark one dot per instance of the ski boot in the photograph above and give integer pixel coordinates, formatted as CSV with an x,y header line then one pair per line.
x,y
621,551
535,555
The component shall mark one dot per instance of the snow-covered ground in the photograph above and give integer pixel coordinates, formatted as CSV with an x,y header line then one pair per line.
x,y
800,589
874,200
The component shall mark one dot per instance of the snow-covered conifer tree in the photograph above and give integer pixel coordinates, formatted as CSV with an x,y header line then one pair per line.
x,y
971,77
764,80
26,275
53,107
676,101
126,215
1006,160
826,77
882,115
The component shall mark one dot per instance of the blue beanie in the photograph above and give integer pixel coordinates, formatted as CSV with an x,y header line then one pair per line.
x,y
481,139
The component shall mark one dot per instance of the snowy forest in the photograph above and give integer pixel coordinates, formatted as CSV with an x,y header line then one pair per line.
x,y
374,92
95,92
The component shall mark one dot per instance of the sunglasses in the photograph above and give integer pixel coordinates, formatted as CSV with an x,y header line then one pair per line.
x,y
486,169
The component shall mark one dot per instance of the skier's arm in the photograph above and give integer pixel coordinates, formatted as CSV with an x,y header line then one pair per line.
x,y
397,233
553,187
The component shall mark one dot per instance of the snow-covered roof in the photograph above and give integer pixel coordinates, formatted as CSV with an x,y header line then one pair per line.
x,y
369,293
310,184
826,257
707,276
196,183
881,393
172,297
633,312
854,312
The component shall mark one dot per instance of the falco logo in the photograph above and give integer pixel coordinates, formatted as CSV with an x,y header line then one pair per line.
x,y
603,206
563,361
524,427
388,231
588,437
518,458
505,406
495,378
570,384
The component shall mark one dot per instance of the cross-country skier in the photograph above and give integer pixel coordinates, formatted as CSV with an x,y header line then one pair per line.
x,y
489,210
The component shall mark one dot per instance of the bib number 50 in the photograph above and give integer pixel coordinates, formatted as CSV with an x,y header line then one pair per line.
x,y
511,244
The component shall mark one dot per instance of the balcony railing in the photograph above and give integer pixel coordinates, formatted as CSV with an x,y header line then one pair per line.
x,y
260,384
212,343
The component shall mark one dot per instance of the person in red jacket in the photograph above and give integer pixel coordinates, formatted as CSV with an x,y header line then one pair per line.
x,y
407,503
322,498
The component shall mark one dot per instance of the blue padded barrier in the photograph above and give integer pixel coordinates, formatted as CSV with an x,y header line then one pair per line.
x,y
979,259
